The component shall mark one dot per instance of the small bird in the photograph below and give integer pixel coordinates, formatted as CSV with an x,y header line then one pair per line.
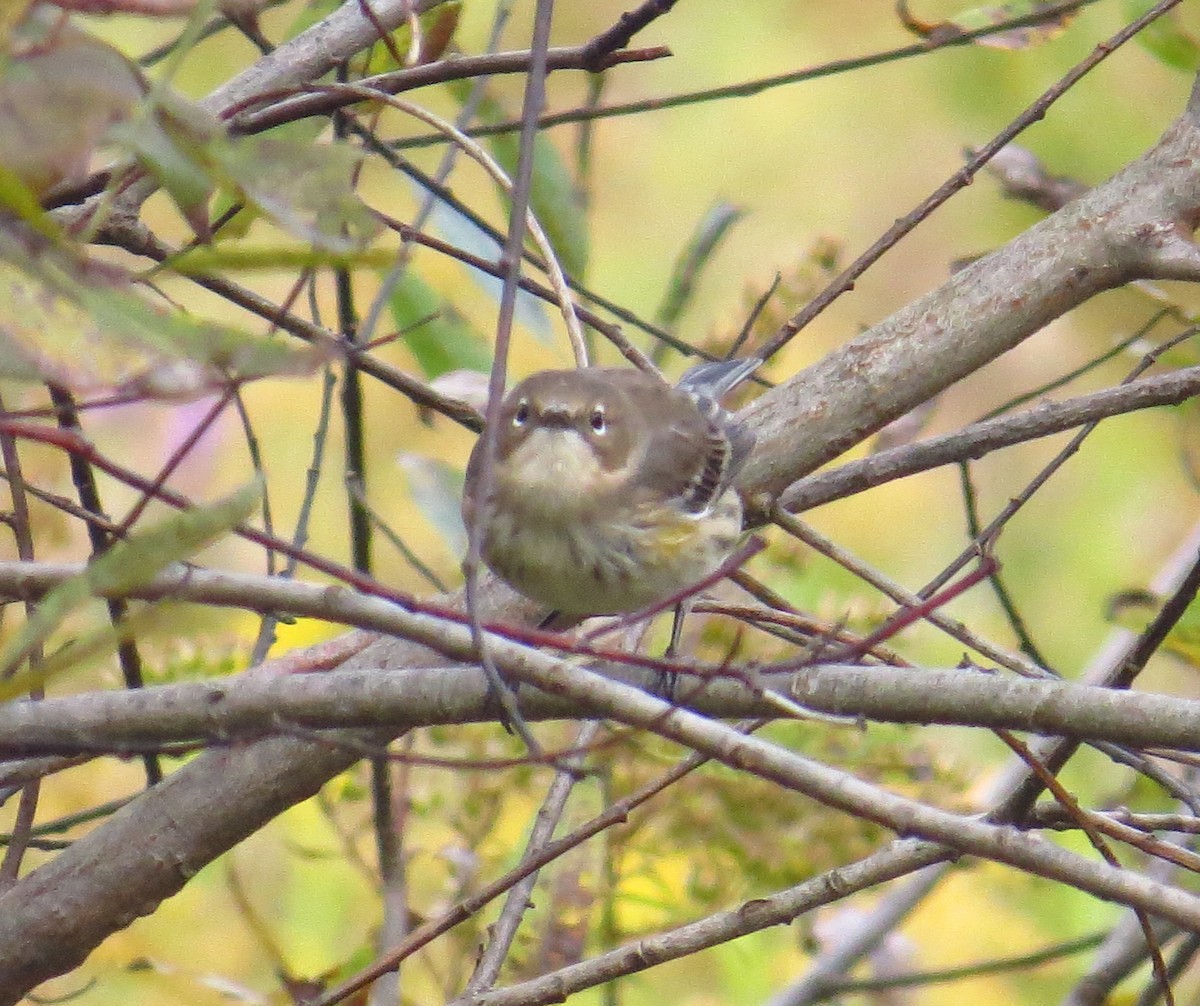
x,y
611,490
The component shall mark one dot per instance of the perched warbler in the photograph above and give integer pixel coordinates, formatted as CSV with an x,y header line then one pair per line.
x,y
611,490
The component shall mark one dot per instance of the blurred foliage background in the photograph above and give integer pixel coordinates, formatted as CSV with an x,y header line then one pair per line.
x,y
818,170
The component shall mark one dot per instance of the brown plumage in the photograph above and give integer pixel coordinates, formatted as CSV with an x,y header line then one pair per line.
x,y
611,489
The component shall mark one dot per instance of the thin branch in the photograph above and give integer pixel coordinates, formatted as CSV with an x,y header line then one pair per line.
x,y
981,312
510,260
84,480
1000,965
286,109
829,969
1013,661
760,85
504,930
1120,675
22,529
962,178
139,240
599,48
980,439
897,860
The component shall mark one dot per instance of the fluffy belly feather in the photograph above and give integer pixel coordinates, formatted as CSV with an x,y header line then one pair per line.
x,y
621,566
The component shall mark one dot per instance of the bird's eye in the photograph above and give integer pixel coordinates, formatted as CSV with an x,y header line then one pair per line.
x,y
599,421
521,416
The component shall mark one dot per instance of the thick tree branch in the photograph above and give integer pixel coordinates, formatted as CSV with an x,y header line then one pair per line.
x,y
1134,226
255,705
56,915
982,438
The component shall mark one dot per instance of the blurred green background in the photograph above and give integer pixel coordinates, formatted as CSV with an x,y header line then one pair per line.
x,y
826,163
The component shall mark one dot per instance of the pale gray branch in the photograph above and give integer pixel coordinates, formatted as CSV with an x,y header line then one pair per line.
x,y
1124,229
147,851
1124,950
842,791
314,52
399,698
981,438
1133,226
871,930
897,860
504,930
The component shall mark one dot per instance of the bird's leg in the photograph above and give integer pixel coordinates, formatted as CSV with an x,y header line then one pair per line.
x,y
669,680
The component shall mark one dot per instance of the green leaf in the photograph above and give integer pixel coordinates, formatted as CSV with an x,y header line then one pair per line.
x,y
553,198
437,491
170,144
695,255
302,131
555,201
1165,38
58,97
97,643
230,256
128,564
306,188
73,322
18,197
437,334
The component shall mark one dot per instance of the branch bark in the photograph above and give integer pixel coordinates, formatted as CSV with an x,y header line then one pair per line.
x,y
1136,225
255,705
982,438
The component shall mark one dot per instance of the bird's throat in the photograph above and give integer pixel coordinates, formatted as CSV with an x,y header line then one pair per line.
x,y
552,475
